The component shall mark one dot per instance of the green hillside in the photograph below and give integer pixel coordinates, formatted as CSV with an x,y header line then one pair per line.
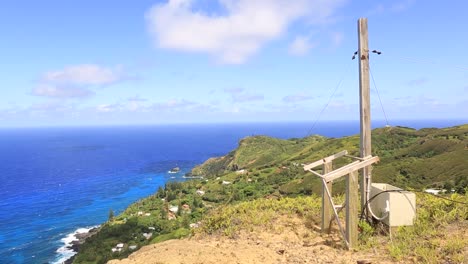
x,y
262,169
409,158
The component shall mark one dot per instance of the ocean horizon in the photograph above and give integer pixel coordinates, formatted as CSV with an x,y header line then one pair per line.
x,y
59,181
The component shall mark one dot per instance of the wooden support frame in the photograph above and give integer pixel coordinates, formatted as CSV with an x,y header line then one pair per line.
x,y
338,222
357,165
327,204
350,233
325,160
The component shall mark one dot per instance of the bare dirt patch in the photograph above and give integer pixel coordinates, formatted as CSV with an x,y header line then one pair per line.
x,y
288,242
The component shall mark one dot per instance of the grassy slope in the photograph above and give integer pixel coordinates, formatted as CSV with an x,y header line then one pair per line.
x,y
409,158
438,235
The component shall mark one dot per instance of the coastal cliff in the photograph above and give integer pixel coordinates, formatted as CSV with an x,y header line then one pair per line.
x,y
263,180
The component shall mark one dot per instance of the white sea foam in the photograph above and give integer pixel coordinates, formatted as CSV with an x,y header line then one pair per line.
x,y
64,252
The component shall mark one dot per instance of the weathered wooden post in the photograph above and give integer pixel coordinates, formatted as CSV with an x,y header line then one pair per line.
x,y
327,210
352,201
364,103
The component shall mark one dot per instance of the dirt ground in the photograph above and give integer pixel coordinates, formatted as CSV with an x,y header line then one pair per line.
x,y
290,243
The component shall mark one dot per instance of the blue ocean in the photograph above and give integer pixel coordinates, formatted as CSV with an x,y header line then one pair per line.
x,y
57,181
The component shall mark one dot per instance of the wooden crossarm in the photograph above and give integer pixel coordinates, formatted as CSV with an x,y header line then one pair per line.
x,y
316,174
345,170
308,167
356,158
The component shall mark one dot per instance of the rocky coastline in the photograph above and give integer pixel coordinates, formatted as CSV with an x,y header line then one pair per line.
x,y
80,239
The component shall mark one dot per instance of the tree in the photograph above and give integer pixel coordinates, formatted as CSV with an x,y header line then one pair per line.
x,y
185,221
448,186
197,202
170,196
179,209
111,215
160,193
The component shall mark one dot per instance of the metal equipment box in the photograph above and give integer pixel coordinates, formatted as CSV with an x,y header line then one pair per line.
x,y
398,207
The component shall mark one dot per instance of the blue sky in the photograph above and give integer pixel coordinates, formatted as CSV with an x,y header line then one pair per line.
x,y
197,61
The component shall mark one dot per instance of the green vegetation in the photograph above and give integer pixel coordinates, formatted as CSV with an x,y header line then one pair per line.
x,y
424,158
229,220
263,177
146,221
436,235
409,158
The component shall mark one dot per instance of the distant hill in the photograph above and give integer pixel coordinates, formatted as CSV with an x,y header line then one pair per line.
x,y
411,158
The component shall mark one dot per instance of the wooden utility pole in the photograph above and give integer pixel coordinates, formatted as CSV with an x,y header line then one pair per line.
x,y
327,210
350,170
364,102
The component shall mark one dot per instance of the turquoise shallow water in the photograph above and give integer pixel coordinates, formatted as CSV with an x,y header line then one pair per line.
x,y
55,181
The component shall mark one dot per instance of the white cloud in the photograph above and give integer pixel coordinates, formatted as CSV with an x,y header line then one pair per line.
x,y
239,95
421,101
237,34
233,90
107,108
182,106
52,109
178,103
131,105
134,106
137,99
234,110
53,91
246,97
85,74
174,104
139,106
75,81
296,98
300,46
